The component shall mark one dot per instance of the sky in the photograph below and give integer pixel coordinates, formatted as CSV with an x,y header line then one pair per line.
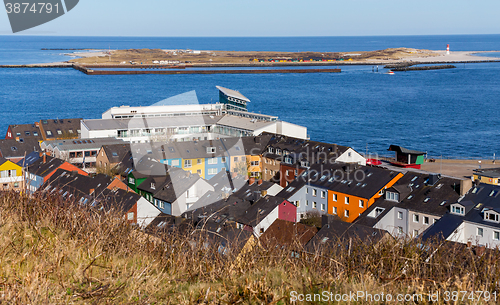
x,y
240,18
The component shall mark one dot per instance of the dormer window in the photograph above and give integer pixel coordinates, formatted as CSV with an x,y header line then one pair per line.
x,y
210,150
304,163
278,151
456,209
491,216
392,196
288,160
153,187
270,150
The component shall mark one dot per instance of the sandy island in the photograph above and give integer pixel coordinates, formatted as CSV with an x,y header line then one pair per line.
x,y
248,58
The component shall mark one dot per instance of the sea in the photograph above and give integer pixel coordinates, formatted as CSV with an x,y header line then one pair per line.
x,y
449,113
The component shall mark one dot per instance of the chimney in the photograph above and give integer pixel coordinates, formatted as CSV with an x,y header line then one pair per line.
x,y
259,182
44,158
91,191
263,193
465,186
433,178
251,181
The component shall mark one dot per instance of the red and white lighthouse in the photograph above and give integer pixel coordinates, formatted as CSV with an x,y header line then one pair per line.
x,y
448,49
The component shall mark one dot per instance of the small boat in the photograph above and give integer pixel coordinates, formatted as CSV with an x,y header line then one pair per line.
x,y
390,72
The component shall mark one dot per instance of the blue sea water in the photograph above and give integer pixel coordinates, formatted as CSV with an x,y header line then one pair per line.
x,y
451,112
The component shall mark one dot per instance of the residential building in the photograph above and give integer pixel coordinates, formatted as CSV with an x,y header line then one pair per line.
x,y
15,151
414,203
11,175
110,155
24,131
487,175
351,188
80,152
43,168
335,232
57,129
475,220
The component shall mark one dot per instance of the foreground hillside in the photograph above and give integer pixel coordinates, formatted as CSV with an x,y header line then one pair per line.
x,y
54,252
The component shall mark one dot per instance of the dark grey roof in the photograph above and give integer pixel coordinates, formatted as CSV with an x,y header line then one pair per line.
x,y
443,228
259,210
403,150
428,199
488,172
119,200
30,159
351,179
116,152
42,169
337,231
25,131
10,148
60,128
75,184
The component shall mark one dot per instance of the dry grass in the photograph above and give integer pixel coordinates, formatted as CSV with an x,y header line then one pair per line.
x,y
54,252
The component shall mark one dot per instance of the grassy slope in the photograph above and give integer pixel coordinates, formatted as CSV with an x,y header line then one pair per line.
x,y
52,252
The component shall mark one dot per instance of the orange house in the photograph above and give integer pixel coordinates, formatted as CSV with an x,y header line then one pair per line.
x,y
348,204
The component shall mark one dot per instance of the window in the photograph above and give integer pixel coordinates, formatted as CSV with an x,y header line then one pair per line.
x,y
187,163
199,161
496,235
212,161
314,204
131,180
307,203
323,194
334,211
59,132
400,215
315,191
254,163
130,216
392,196
458,210
223,159
416,218
307,190
323,207
49,133
346,200
415,233
480,232
210,150
297,203
334,197
153,186
198,172
489,216
175,162
426,220
235,159
212,171
35,133
361,204
346,213
400,230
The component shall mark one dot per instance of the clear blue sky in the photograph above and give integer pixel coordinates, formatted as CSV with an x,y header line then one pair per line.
x,y
272,18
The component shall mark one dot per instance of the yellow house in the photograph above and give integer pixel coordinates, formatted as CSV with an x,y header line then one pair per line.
x,y
487,175
11,175
195,166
